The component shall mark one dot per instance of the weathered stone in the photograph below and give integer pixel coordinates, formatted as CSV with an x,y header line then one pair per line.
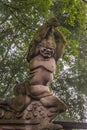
x,y
34,100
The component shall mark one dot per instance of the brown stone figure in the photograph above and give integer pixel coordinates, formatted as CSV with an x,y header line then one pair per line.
x,y
34,100
46,48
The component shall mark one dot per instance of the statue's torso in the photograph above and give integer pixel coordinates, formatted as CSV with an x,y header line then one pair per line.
x,y
41,70
48,64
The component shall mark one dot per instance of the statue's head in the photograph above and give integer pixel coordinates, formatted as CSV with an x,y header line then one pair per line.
x,y
48,42
47,47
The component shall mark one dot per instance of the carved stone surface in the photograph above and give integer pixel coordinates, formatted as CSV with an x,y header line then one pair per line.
x,y
45,109
34,101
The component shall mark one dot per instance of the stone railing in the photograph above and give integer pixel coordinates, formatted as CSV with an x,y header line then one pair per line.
x,y
72,125
26,125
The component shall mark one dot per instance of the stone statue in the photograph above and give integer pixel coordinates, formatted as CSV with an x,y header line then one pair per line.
x,y
34,100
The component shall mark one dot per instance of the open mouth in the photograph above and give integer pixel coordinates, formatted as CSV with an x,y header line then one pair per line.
x,y
47,54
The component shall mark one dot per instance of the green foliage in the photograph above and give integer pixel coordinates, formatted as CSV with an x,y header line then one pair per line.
x,y
70,13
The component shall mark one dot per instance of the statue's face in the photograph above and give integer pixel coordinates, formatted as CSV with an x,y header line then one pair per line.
x,y
47,48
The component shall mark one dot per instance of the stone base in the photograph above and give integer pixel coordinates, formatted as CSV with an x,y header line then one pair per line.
x,y
26,113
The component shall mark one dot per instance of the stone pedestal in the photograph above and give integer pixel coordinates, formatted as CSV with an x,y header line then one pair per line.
x,y
35,116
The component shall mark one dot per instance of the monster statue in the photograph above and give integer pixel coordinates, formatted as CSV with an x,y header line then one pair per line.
x,y
34,100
